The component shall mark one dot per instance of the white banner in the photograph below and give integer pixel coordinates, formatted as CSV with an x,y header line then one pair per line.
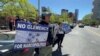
x,y
29,35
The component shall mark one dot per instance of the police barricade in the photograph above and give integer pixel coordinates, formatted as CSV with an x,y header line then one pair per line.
x,y
29,35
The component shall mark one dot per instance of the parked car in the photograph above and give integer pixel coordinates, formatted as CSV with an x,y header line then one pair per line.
x,y
81,25
3,27
6,46
72,26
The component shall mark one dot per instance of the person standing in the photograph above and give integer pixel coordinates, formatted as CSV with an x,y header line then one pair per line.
x,y
11,22
60,36
46,51
17,19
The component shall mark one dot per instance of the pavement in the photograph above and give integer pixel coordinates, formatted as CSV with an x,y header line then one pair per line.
x,y
80,42
4,30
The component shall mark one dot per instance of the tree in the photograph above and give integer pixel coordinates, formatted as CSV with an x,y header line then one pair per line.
x,y
64,16
89,21
20,7
52,20
70,17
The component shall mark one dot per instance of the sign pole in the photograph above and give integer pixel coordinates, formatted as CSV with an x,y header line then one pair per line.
x,y
39,9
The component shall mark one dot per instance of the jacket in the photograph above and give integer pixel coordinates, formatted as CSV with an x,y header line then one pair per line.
x,y
50,36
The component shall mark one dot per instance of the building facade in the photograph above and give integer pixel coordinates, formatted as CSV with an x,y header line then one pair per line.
x,y
64,11
96,10
76,15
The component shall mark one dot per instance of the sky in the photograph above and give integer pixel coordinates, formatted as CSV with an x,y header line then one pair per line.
x,y
84,6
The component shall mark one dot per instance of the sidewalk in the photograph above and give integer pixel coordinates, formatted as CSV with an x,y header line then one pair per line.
x,y
4,30
99,26
97,30
7,30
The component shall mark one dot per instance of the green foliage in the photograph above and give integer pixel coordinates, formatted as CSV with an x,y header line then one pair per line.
x,y
18,7
64,16
61,18
89,21
52,18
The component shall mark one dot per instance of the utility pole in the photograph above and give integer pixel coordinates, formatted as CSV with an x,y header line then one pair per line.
x,y
38,8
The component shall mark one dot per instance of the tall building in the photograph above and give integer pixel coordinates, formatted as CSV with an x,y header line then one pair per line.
x,y
76,15
64,11
96,10
71,16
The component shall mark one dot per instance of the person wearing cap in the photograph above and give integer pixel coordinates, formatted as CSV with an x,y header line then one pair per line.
x,y
46,51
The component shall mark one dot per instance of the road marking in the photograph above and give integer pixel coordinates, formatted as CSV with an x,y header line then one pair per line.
x,y
94,32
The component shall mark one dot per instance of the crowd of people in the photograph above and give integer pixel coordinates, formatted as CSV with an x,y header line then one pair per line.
x,y
55,35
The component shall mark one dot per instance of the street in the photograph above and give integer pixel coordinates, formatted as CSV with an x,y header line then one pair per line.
x,y
31,24
81,42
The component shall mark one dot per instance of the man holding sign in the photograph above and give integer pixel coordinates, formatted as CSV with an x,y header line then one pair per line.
x,y
47,50
29,35
35,36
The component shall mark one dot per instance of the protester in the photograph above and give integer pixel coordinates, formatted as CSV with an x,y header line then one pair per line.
x,y
17,19
60,35
55,30
11,23
46,51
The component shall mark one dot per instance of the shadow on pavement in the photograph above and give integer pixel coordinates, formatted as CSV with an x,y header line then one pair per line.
x,y
58,52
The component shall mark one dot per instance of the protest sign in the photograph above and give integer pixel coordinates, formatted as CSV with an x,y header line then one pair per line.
x,y
30,35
